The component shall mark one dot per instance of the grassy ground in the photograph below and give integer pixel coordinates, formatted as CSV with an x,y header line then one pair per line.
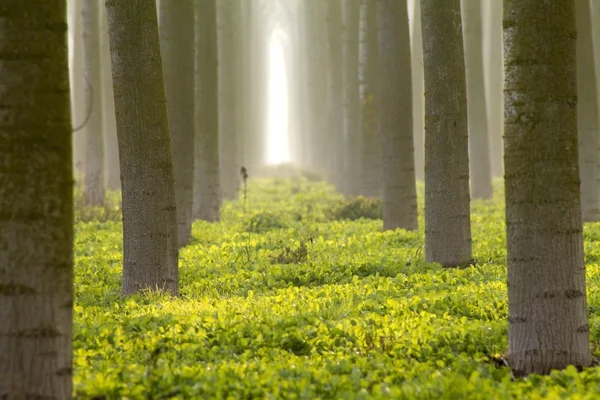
x,y
281,300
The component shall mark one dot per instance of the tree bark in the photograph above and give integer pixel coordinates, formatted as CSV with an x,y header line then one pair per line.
x,y
36,202
177,50
368,75
78,83
418,91
494,80
587,115
352,170
149,220
395,117
447,204
94,154
206,181
548,323
479,147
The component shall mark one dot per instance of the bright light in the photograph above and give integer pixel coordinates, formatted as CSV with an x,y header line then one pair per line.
x,y
278,150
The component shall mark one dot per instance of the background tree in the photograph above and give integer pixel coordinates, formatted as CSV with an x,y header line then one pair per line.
x,y
78,83
447,204
206,181
36,199
479,147
149,221
395,117
177,51
548,324
94,154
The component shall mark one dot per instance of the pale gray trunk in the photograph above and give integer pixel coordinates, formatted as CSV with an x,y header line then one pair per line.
x,y
395,117
447,205
587,115
111,146
228,123
36,199
418,90
352,170
368,75
78,83
94,152
149,218
177,51
494,80
479,148
548,324
206,180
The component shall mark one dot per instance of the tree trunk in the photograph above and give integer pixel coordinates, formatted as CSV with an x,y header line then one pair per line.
x,y
206,181
494,80
94,154
149,220
78,83
228,104
111,147
479,148
587,115
177,50
368,75
548,324
36,199
395,117
352,170
418,90
447,205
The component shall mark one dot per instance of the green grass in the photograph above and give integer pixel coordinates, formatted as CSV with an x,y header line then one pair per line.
x,y
358,314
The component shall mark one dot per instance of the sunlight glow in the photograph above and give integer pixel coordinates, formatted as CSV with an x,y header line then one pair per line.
x,y
278,150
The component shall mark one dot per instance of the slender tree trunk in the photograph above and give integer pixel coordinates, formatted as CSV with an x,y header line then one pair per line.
x,y
350,13
78,83
494,80
36,199
149,220
368,75
587,115
177,50
94,154
479,148
206,184
111,146
395,117
548,324
447,205
418,91
228,104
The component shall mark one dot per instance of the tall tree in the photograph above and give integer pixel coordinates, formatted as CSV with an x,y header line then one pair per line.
x,y
94,154
479,147
78,82
350,15
395,116
418,90
368,76
228,103
494,80
587,115
177,50
447,204
548,323
149,221
36,199
206,180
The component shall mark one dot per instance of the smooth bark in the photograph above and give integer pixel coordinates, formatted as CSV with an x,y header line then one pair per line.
x,y
395,117
149,220
418,91
177,51
548,323
206,180
78,83
447,203
36,202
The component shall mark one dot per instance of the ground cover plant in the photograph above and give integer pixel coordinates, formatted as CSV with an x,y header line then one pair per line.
x,y
282,300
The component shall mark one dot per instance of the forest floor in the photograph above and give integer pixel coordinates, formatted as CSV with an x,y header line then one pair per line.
x,y
285,299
